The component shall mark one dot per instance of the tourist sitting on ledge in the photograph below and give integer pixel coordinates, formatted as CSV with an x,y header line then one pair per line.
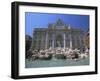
x,y
58,53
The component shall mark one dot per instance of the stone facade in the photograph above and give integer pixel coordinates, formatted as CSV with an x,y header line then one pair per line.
x,y
57,34
86,40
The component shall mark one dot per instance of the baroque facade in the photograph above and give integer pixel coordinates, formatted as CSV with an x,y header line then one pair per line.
x,y
86,40
57,34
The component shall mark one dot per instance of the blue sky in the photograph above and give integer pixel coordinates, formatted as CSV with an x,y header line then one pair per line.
x,y
41,20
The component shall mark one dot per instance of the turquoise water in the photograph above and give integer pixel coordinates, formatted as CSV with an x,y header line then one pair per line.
x,y
55,63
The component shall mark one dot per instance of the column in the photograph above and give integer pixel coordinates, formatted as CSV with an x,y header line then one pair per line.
x,y
46,42
42,40
75,40
70,40
53,39
80,41
64,39
37,39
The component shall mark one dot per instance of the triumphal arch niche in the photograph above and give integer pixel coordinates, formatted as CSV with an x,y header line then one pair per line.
x,y
57,34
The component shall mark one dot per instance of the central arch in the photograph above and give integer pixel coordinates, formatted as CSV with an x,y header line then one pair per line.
x,y
59,40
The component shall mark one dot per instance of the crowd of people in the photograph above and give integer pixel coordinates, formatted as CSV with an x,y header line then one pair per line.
x,y
57,53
